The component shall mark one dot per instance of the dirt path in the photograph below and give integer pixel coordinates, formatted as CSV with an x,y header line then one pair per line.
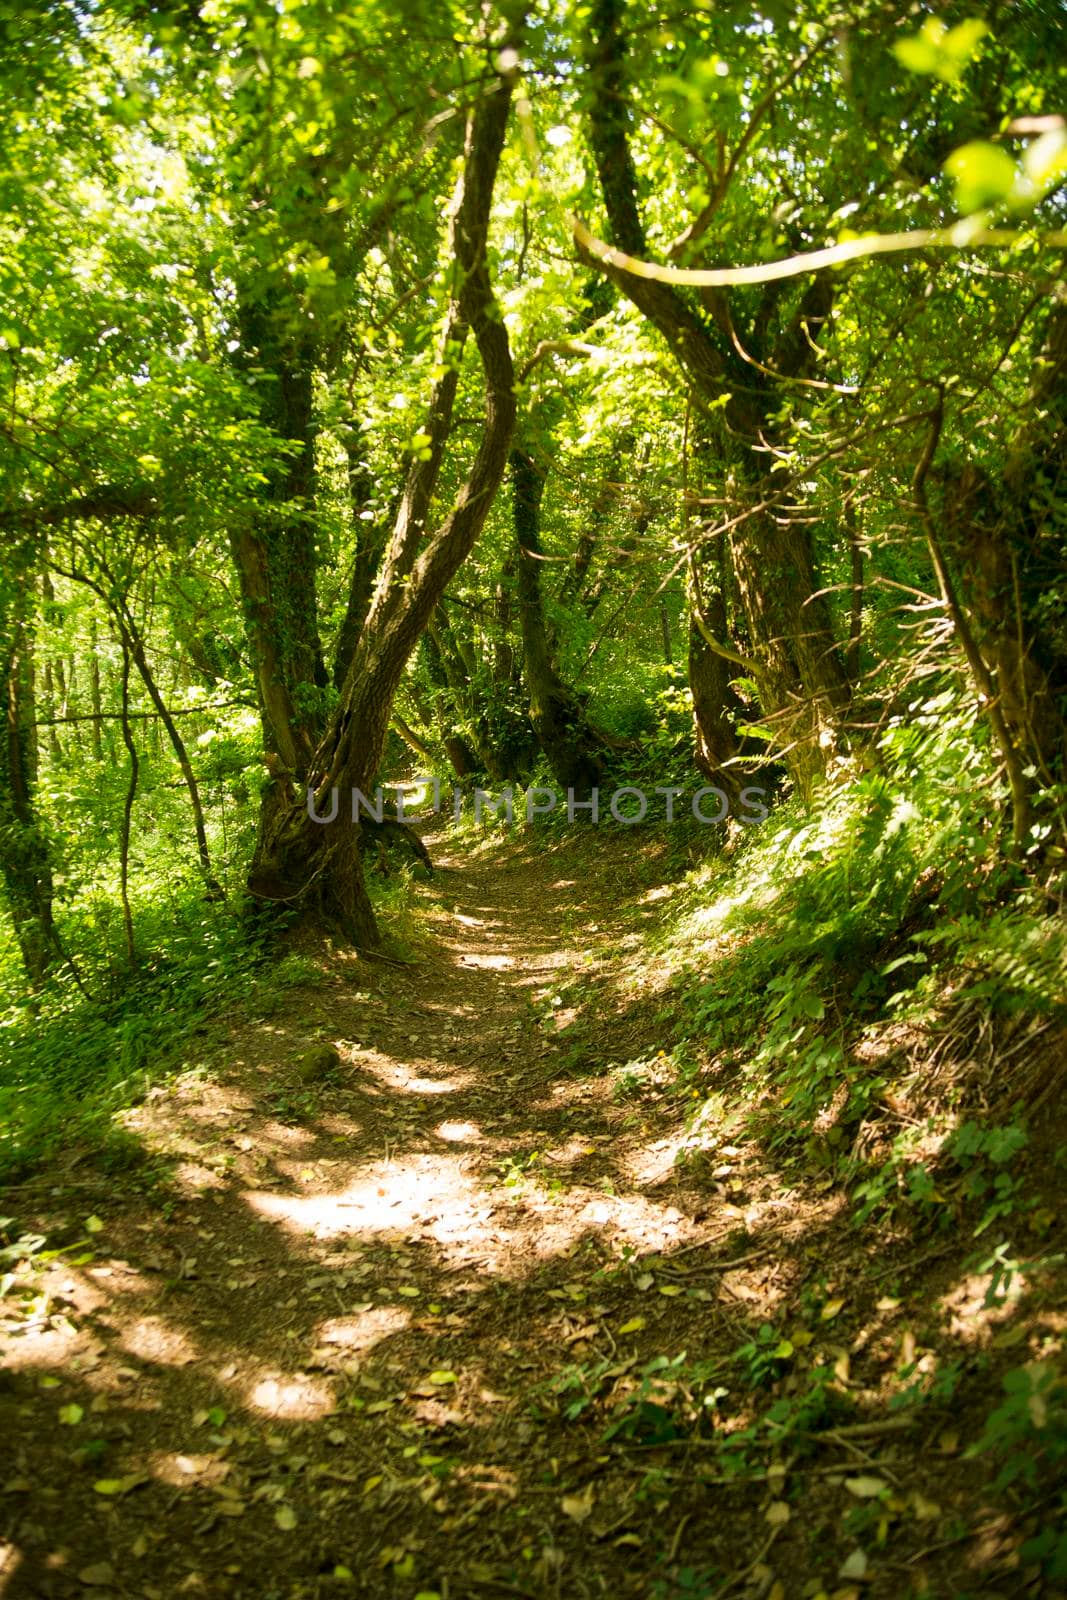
x,y
366,1336
307,1355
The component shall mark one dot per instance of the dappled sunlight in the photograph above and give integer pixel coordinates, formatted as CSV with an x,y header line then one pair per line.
x,y
285,1134
393,1196
342,1128
366,1322
155,1340
632,1220
194,1179
362,1331
971,1317
37,1346
290,1398
407,1078
646,1165
182,1469
459,1132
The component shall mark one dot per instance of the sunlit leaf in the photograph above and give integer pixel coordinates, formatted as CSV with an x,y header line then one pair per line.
x,y
866,1488
984,175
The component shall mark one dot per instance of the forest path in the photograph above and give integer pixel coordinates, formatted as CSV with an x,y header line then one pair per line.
x,y
309,1352
371,1334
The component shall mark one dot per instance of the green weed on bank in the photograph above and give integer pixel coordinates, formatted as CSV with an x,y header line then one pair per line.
x,y
825,926
71,1058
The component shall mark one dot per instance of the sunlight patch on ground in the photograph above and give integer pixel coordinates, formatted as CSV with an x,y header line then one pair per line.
x,y
969,1318
431,1198
285,1133
655,1163
180,1470
392,1196
575,1149
486,963
127,1280
406,1078
153,1339
622,1219
42,1347
364,1331
459,1132
340,1127
193,1179
296,1399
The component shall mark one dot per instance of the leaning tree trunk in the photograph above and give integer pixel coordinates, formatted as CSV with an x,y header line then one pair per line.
x,y
315,867
107,589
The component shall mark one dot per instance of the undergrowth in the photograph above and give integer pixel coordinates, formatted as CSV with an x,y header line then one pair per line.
x,y
98,1036
889,906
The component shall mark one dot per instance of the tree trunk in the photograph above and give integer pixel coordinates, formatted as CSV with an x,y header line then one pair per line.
x,y
95,699
795,661
855,609
24,855
133,645
502,742
713,699
464,759
571,747
1007,538
313,867
275,553
372,536
127,809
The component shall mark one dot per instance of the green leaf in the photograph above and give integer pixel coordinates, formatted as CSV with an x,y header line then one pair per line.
x,y
984,175
119,1486
940,52
71,1415
866,1488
